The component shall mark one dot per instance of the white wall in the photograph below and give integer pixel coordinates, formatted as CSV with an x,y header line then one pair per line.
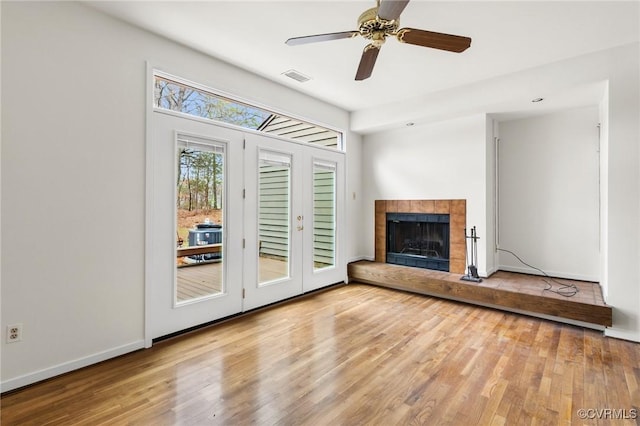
x,y
445,160
622,216
549,194
73,178
354,195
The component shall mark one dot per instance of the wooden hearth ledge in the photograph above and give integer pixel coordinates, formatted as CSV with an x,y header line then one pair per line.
x,y
587,306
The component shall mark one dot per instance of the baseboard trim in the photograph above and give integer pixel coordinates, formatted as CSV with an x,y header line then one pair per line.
x,y
631,336
488,272
358,258
554,274
47,373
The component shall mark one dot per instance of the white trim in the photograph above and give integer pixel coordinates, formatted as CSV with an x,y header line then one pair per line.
x,y
358,258
489,272
242,129
325,165
554,274
148,208
496,196
66,367
632,336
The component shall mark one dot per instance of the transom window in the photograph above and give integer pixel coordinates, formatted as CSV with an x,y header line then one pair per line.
x,y
173,95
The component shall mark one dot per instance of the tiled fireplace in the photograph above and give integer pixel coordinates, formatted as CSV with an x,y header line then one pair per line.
x,y
456,210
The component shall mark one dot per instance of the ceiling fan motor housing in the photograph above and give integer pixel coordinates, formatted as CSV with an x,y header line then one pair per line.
x,y
373,28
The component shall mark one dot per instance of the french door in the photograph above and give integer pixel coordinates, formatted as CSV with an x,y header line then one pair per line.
x,y
323,199
293,212
270,229
273,220
194,261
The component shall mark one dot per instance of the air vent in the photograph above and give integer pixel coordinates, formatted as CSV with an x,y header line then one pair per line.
x,y
297,76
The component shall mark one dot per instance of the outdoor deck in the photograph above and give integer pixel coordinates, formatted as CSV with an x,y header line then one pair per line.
x,y
203,279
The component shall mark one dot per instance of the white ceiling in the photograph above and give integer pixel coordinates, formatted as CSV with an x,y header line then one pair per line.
x,y
508,36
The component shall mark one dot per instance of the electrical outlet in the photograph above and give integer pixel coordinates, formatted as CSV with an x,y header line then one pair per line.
x,y
14,333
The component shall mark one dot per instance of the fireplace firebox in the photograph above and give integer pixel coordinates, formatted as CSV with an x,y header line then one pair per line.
x,y
419,240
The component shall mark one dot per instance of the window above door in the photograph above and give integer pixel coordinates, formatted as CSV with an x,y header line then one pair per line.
x,y
174,94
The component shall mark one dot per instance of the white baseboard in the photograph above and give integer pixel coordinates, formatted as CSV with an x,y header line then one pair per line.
x,y
47,373
487,273
621,334
555,274
357,258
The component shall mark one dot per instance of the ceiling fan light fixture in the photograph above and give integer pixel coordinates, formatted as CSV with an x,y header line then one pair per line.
x,y
296,75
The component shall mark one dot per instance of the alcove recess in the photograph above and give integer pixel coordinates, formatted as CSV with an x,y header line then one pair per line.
x,y
456,209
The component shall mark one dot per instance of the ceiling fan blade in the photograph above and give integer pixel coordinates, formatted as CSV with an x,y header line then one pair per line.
x,y
391,9
368,60
452,43
320,37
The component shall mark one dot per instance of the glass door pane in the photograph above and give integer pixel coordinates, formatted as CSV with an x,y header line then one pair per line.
x,y
324,215
274,212
199,219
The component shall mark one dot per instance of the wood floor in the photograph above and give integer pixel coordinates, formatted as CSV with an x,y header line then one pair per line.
x,y
354,354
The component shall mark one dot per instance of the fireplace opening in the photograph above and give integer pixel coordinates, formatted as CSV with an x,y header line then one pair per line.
x,y
419,240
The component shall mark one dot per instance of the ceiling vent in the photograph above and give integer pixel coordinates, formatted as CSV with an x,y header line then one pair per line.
x,y
297,76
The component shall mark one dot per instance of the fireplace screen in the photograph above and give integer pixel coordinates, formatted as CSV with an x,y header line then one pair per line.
x,y
420,240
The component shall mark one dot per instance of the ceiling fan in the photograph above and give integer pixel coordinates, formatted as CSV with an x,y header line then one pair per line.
x,y
380,22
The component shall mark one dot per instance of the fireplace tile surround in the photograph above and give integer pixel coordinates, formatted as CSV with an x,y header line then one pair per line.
x,y
457,210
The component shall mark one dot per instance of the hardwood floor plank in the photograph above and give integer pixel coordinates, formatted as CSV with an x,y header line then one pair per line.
x,y
355,354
